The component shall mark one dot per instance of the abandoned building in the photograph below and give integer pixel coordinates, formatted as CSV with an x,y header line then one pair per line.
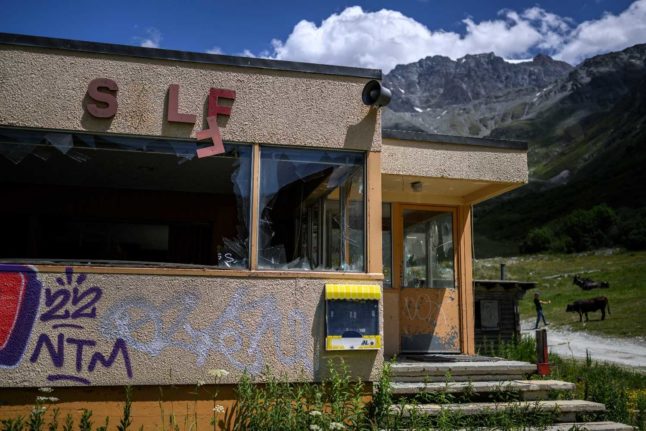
x,y
167,213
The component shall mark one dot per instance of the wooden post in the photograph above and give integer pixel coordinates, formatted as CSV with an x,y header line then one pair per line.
x,y
542,362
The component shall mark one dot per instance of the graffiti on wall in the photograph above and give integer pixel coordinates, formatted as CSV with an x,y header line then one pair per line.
x,y
68,305
233,333
75,332
20,294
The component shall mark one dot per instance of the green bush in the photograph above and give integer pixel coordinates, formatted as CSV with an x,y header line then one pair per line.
x,y
580,230
538,240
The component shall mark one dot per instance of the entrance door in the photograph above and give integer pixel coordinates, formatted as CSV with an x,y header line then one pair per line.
x,y
425,271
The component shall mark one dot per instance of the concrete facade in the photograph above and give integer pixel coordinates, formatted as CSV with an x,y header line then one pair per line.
x,y
454,161
117,329
47,89
127,325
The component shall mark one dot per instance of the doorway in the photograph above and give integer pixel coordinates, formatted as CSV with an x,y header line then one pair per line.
x,y
424,272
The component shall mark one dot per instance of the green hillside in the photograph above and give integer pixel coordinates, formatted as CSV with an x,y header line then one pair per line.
x,y
625,271
606,158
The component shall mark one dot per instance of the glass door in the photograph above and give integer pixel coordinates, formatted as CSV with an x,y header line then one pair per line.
x,y
426,261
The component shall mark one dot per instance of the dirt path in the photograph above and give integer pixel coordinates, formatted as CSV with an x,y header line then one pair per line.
x,y
627,352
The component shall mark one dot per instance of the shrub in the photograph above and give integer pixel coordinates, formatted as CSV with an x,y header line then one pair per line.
x,y
538,240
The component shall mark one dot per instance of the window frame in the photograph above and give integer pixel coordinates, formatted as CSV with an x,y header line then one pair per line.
x,y
372,265
255,216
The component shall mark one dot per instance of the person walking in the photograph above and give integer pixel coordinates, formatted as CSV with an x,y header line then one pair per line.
x,y
539,310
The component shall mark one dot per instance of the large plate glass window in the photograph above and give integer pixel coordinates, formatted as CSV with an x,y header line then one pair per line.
x,y
312,213
104,199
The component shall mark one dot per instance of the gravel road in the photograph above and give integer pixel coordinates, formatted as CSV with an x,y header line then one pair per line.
x,y
629,352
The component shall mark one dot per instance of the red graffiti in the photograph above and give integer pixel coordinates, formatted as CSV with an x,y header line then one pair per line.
x,y
20,297
12,292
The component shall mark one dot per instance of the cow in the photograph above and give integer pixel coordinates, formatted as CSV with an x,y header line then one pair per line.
x,y
588,284
585,306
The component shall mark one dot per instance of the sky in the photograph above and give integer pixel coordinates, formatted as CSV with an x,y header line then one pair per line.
x,y
368,33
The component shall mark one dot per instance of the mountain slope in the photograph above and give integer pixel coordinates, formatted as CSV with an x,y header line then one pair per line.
x,y
586,128
469,96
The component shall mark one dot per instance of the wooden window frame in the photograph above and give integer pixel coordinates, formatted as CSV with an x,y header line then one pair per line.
x,y
372,238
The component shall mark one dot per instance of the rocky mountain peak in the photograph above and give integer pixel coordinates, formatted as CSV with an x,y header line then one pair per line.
x,y
438,82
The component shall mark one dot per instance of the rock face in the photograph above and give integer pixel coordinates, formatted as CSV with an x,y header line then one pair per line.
x,y
438,82
469,96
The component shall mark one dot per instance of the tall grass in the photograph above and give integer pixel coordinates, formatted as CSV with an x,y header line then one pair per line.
x,y
623,391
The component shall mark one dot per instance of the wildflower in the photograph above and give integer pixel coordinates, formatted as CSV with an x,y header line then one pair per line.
x,y
314,427
336,426
200,383
315,413
219,409
217,373
46,390
46,399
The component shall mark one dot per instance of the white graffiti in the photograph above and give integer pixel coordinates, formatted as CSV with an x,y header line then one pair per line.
x,y
424,308
152,328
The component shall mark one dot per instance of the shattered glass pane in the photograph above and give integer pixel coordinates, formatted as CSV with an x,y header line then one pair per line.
x,y
96,198
311,210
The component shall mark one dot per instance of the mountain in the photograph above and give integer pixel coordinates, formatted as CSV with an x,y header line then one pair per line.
x,y
586,129
469,96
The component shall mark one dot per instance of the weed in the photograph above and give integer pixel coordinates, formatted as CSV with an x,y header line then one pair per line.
x,y
13,424
126,418
69,423
53,423
85,424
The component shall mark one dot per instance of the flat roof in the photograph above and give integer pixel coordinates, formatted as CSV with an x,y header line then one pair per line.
x,y
185,56
411,135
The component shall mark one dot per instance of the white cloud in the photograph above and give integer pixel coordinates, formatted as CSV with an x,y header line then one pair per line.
x,y
385,38
609,33
214,50
152,39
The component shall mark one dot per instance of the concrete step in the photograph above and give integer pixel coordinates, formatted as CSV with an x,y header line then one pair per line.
x,y
590,426
461,371
566,409
529,389
568,426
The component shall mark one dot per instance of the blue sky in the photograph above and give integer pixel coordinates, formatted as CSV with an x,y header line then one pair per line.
x,y
377,33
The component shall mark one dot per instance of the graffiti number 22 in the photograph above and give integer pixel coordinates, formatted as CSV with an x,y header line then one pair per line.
x,y
83,301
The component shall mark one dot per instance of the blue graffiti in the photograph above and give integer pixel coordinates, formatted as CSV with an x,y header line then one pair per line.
x,y
147,327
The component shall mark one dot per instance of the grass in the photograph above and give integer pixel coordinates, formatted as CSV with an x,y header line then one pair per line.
x,y
625,271
621,390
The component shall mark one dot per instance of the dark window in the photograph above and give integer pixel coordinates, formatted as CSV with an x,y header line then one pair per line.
x,y
387,244
91,199
311,210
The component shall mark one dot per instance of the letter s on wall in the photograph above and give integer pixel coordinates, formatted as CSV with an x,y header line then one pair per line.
x,y
97,90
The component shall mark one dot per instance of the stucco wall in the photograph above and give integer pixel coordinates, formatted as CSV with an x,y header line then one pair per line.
x,y
117,329
47,89
437,160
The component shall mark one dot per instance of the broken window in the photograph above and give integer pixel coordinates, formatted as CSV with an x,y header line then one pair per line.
x,y
312,210
103,199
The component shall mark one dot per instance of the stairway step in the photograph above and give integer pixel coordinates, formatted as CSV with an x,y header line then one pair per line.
x,y
534,388
590,426
567,426
455,369
567,409
451,378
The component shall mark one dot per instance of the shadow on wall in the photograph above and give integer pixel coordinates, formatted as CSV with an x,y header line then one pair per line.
x,y
362,133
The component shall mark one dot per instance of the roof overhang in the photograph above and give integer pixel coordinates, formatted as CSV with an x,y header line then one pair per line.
x,y
450,170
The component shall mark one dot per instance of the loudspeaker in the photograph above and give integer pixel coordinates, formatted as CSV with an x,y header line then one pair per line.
x,y
375,94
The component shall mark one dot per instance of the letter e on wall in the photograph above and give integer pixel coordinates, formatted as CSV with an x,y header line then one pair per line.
x,y
104,91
